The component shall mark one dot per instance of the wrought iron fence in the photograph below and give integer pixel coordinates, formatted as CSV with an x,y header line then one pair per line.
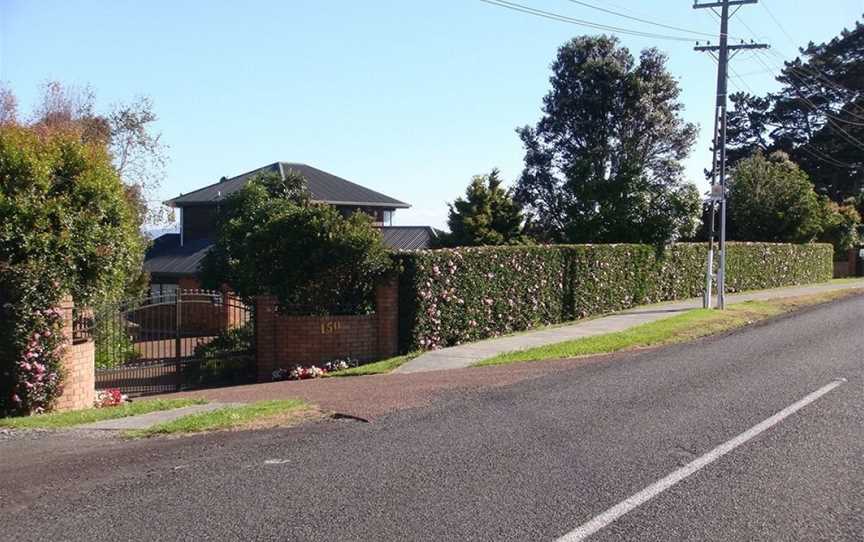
x,y
180,340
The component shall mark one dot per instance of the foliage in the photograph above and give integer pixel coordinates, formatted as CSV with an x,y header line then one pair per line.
x,y
273,240
486,216
841,225
453,296
604,162
66,227
771,199
226,359
816,116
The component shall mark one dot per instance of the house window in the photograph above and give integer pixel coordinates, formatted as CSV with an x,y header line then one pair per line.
x,y
163,292
387,218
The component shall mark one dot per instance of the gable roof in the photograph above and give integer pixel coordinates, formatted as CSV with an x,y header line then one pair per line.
x,y
324,187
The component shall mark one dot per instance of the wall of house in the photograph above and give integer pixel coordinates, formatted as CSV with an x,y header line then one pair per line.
x,y
199,222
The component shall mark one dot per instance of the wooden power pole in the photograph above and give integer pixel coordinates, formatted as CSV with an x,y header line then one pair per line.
x,y
718,166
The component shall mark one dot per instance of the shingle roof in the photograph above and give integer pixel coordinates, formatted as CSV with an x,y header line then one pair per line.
x,y
324,187
408,237
167,257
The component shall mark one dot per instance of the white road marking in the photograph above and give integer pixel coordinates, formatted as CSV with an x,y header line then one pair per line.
x,y
276,461
598,522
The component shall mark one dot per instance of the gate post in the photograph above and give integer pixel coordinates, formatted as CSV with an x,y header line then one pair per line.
x,y
178,342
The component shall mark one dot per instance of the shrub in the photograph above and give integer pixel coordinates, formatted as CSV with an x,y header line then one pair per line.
x,y
226,359
452,296
66,227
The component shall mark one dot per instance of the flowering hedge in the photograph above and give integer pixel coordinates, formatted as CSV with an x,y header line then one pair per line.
x,y
449,297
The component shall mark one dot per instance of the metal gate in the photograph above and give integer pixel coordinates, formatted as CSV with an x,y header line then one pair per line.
x,y
181,340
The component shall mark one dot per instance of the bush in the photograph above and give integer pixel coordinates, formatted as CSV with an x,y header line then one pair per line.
x,y
453,296
226,359
66,227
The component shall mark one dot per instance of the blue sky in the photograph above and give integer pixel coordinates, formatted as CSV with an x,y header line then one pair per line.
x,y
407,97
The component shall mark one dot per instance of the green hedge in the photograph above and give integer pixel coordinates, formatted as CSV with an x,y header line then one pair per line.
x,y
450,297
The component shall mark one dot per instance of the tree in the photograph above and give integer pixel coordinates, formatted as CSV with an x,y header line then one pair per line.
x,y
603,164
66,227
841,224
817,117
137,152
771,199
486,216
273,240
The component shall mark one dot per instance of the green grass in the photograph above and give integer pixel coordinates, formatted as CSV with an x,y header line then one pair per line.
x,y
262,413
378,367
687,326
60,420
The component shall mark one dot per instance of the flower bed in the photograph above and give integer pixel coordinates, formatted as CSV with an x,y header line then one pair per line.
x,y
306,372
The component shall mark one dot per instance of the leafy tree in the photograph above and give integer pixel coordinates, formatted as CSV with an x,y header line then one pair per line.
x,y
841,224
817,117
603,164
137,152
273,240
771,199
66,227
487,215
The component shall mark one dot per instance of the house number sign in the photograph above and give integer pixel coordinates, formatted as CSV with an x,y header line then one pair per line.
x,y
330,327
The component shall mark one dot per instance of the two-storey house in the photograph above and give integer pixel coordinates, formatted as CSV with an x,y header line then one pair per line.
x,y
174,259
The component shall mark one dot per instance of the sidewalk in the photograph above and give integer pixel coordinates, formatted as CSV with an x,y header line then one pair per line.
x,y
465,355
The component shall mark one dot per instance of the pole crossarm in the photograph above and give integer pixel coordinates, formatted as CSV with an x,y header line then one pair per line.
x,y
730,3
713,48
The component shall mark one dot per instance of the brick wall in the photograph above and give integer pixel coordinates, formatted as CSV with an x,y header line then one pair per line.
x,y
79,384
285,341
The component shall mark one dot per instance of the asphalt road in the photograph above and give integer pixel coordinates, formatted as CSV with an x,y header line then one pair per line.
x,y
529,461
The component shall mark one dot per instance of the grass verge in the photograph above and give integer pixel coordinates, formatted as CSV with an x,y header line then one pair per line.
x,y
59,420
686,326
376,368
254,415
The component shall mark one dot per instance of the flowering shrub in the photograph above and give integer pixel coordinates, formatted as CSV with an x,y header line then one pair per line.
x,y
448,297
109,398
68,227
300,372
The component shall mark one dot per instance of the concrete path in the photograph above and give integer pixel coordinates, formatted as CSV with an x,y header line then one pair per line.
x,y
145,421
465,355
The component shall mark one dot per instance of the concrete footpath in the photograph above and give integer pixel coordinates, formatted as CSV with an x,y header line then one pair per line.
x,y
465,355
146,421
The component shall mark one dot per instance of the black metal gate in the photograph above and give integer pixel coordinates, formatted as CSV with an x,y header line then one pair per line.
x,y
181,340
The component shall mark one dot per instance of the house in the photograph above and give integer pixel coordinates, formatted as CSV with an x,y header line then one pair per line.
x,y
174,259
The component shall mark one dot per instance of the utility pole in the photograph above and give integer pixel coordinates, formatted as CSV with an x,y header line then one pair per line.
x,y
718,193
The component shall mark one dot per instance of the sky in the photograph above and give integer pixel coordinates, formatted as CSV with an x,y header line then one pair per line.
x,y
410,98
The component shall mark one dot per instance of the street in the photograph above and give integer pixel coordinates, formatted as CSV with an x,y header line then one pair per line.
x,y
530,460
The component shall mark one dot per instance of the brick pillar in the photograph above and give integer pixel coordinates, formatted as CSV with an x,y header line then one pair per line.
x,y
387,316
852,262
265,337
79,384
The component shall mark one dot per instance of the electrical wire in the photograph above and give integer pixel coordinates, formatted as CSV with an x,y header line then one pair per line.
x,y
582,22
642,20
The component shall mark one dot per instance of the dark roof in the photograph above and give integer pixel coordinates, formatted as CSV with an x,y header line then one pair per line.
x,y
167,257
408,237
324,187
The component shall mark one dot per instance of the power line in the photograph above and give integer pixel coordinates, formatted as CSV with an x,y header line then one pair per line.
x,y
780,26
642,20
581,22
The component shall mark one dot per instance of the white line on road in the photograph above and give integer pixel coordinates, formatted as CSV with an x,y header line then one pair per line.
x,y
598,522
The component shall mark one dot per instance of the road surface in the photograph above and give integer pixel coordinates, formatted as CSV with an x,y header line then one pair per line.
x,y
756,435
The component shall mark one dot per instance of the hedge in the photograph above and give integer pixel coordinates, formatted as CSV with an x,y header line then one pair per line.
x,y
453,296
